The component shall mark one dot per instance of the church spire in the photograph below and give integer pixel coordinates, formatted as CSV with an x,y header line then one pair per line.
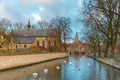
x,y
76,38
28,25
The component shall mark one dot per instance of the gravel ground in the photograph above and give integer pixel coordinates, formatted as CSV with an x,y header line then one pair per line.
x,y
19,60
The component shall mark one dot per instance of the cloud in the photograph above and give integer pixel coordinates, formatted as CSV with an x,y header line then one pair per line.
x,y
32,3
18,9
37,17
80,3
3,12
46,2
42,9
2,9
22,10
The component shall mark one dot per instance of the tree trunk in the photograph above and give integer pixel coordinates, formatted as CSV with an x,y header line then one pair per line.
x,y
65,41
107,48
99,49
112,51
94,50
60,42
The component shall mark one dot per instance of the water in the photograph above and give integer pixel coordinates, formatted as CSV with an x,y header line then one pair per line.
x,y
72,68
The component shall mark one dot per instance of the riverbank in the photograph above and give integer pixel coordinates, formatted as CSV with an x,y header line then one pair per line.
x,y
109,61
10,62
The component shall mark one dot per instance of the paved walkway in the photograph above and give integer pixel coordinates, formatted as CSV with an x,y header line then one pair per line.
x,y
7,62
110,61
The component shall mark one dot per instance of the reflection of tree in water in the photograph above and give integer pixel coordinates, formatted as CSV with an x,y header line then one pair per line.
x,y
105,72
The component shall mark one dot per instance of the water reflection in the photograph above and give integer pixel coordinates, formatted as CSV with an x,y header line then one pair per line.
x,y
73,68
84,68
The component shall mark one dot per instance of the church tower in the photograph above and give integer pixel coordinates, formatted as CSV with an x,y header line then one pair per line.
x,y
76,42
76,38
28,28
28,25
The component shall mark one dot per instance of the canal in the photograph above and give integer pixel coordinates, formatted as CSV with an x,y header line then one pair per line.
x,y
72,68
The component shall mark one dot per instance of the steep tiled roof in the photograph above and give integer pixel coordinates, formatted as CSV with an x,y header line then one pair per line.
x,y
35,33
24,40
27,36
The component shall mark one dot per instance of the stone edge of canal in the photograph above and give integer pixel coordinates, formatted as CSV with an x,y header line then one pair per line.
x,y
104,63
30,64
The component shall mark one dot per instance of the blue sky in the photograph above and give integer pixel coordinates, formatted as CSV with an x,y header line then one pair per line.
x,y
21,10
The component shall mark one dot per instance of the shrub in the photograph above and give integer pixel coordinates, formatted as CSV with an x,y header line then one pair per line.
x,y
41,48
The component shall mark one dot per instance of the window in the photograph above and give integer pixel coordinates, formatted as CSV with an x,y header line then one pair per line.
x,y
49,43
16,46
54,43
25,46
43,43
38,43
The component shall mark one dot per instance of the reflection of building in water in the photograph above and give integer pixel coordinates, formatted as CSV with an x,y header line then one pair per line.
x,y
31,37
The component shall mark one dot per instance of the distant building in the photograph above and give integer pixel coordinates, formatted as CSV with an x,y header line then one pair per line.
x,y
77,45
30,37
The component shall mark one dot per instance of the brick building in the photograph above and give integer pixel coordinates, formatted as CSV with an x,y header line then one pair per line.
x,y
31,37
78,45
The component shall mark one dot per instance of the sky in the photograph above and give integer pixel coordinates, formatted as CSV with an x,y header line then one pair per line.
x,y
42,10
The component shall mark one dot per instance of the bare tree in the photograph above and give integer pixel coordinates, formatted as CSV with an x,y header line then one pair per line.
x,y
18,26
5,28
64,30
106,15
43,24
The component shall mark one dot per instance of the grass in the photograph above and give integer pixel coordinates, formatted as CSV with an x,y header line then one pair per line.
x,y
6,53
25,52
